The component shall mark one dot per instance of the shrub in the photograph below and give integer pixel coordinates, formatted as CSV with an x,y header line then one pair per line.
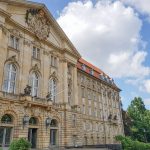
x,y
129,144
20,144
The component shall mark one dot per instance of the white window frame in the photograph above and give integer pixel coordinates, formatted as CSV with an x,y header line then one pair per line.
x,y
54,61
53,89
35,89
14,42
36,52
8,78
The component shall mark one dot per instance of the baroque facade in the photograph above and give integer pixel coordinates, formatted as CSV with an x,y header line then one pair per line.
x,y
48,93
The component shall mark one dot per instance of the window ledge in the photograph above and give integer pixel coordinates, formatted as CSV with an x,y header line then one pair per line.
x,y
36,59
13,49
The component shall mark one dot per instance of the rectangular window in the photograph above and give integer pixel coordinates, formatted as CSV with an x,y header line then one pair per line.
x,y
90,110
53,61
83,109
36,52
84,126
83,92
14,42
74,120
89,94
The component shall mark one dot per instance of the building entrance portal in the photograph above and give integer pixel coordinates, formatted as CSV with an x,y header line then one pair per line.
x,y
32,137
53,137
5,136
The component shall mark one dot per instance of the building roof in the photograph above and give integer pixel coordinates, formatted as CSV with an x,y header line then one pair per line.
x,y
95,71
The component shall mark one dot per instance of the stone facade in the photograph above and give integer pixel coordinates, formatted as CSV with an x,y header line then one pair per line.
x,y
41,95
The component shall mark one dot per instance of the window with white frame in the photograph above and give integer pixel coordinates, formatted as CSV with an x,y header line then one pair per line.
x,y
84,126
83,109
89,94
83,67
34,84
10,78
82,79
53,61
96,127
14,42
36,52
83,92
53,89
90,110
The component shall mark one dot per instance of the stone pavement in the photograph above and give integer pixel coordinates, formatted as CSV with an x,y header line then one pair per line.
x,y
89,149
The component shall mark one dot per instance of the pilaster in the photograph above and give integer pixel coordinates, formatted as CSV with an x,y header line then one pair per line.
x,y
76,102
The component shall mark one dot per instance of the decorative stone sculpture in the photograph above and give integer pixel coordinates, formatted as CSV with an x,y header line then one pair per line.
x,y
27,90
38,23
49,96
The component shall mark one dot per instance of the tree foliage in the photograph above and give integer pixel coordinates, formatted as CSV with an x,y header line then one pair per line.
x,y
20,144
129,144
137,121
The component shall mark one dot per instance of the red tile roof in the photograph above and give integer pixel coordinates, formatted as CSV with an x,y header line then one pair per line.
x,y
97,72
89,66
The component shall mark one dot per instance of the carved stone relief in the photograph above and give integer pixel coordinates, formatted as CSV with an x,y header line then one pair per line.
x,y
38,23
16,32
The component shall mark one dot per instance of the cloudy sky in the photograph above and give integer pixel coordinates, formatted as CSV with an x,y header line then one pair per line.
x,y
112,34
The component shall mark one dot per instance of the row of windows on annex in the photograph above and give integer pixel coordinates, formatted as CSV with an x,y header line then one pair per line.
x,y
36,51
85,81
95,127
10,82
92,111
96,86
96,110
93,95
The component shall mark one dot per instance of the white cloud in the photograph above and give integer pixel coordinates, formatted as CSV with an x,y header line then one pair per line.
x,y
147,101
143,6
146,85
107,34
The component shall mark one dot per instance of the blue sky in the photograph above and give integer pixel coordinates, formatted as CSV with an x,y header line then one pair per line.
x,y
112,34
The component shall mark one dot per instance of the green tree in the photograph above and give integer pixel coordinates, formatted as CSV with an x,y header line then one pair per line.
x,y
140,118
129,144
20,144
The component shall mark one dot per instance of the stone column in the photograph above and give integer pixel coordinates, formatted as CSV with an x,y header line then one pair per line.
x,y
75,82
65,80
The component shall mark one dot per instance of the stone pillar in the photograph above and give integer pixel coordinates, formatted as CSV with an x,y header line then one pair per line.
x,y
65,79
75,82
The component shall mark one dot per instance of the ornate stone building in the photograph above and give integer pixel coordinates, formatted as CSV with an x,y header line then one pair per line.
x,y
48,94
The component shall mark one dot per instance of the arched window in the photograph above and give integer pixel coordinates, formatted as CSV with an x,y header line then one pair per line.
x,y
10,78
54,123
52,89
33,121
6,119
34,84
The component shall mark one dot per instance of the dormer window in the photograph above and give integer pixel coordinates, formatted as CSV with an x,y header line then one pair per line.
x,y
92,72
36,53
83,67
101,76
14,42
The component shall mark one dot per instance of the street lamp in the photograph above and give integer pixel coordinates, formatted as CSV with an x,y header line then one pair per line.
x,y
25,120
48,121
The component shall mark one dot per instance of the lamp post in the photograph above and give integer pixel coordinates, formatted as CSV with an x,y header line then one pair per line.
x,y
25,120
48,121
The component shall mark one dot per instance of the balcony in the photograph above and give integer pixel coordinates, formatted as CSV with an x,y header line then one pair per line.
x,y
9,96
43,102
